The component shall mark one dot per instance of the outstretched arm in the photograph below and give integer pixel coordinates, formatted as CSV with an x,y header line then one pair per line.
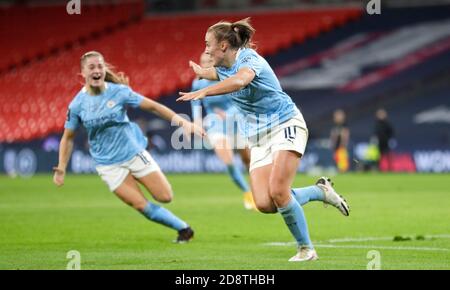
x,y
232,84
65,151
169,115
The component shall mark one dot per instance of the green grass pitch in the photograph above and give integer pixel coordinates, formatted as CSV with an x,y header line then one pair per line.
x,y
39,224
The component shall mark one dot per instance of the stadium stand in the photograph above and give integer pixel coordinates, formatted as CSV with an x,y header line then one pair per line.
x,y
34,32
153,52
396,60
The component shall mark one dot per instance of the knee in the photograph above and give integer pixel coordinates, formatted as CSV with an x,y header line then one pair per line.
x,y
265,207
279,192
165,197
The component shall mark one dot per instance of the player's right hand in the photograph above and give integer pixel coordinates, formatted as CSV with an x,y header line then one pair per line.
x,y
58,176
196,95
196,68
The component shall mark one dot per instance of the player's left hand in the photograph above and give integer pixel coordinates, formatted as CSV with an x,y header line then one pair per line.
x,y
197,95
191,128
58,176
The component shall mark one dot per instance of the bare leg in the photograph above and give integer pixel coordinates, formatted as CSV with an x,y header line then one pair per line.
x,y
159,187
260,188
284,169
245,156
223,150
130,193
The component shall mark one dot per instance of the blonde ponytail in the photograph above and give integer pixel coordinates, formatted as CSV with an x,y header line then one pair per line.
x,y
115,77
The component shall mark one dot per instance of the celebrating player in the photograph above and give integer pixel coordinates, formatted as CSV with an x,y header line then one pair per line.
x,y
274,126
118,145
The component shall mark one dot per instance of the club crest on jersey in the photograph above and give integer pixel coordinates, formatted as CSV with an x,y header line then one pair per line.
x,y
110,104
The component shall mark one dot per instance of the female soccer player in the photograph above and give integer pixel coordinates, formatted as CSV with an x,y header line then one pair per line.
x,y
118,145
275,128
220,124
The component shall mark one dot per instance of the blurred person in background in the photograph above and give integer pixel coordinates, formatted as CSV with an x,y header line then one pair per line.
x,y
384,134
222,134
339,138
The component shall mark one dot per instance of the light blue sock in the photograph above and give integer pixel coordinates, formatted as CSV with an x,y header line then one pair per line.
x,y
304,195
238,177
163,216
294,218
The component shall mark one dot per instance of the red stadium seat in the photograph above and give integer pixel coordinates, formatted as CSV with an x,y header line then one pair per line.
x,y
153,52
53,28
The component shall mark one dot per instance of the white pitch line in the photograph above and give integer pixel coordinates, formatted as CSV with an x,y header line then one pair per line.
x,y
399,248
363,247
368,239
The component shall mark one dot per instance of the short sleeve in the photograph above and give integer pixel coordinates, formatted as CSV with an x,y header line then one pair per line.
x,y
195,86
220,73
250,59
132,98
72,119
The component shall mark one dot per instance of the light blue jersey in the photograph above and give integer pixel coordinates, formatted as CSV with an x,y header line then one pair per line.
x,y
112,137
263,102
222,102
217,126
213,124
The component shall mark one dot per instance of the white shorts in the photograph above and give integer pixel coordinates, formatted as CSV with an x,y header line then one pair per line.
x,y
139,166
236,141
290,136
218,129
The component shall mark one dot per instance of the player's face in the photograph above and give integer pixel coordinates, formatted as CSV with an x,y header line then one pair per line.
x,y
339,117
94,71
214,49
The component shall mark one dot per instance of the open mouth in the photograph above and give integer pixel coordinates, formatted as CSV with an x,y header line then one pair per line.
x,y
96,78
